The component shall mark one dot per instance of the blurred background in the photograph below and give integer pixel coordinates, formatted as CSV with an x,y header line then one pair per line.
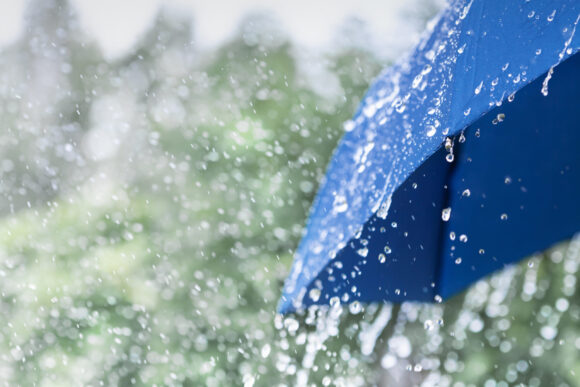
x,y
157,164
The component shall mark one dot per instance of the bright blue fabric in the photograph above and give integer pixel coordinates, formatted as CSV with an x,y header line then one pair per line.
x,y
389,180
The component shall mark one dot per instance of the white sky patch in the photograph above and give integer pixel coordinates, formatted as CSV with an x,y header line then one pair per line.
x,y
118,24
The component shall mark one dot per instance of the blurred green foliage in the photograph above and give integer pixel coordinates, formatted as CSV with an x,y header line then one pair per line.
x,y
151,205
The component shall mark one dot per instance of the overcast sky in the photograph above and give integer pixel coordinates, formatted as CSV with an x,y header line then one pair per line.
x,y
117,24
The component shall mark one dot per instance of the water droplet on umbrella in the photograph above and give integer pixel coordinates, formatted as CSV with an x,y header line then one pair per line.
x,y
466,193
388,250
334,302
349,126
431,130
458,261
481,251
446,214
503,217
452,235
507,180
340,204
382,258
463,238
478,88
449,157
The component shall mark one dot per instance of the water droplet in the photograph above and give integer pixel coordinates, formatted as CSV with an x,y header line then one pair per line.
x,y
397,291
538,51
382,258
503,217
431,130
394,225
388,250
458,261
314,294
511,97
550,17
438,299
463,238
339,204
446,214
481,251
531,264
449,157
477,133
429,325
414,185
466,193
363,252
355,307
291,324
461,138
448,144
507,180
349,126
478,88
334,302
452,235
384,208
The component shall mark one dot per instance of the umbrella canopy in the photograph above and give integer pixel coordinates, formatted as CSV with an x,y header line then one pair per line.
x,y
462,158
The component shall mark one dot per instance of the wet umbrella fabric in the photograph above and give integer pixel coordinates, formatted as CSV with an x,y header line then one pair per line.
x,y
462,158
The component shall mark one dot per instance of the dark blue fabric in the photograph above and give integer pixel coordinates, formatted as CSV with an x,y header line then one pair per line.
x,y
513,185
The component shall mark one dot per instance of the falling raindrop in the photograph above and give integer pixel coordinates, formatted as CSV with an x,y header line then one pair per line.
x,y
382,258
363,252
314,294
334,302
446,214
355,307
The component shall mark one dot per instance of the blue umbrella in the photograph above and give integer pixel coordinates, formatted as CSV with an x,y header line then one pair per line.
x,y
461,159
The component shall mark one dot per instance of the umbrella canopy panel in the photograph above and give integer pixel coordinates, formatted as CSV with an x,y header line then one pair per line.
x,y
512,189
390,167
